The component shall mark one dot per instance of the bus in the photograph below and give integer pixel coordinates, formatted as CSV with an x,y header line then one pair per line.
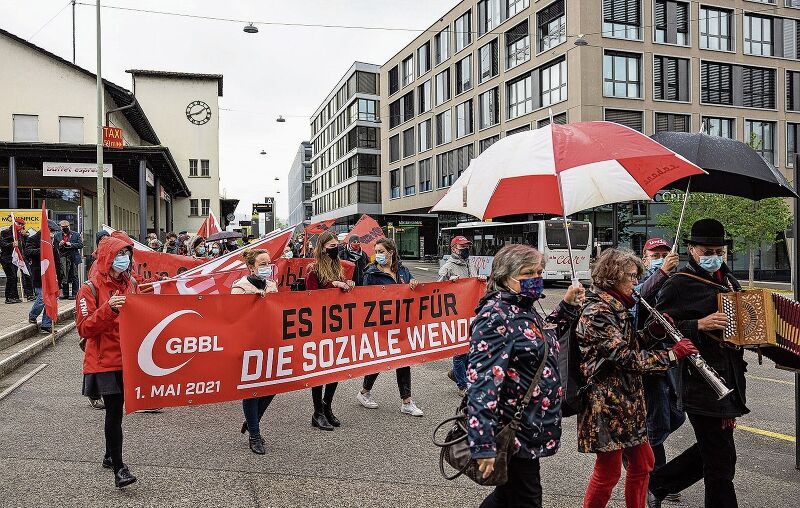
x,y
546,235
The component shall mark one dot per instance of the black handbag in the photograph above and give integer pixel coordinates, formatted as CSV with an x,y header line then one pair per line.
x,y
455,447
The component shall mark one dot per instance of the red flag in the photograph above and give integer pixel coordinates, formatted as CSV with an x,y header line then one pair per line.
x,y
16,255
368,231
209,226
50,287
319,227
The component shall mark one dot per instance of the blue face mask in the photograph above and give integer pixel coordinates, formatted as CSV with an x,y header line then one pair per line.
x,y
264,272
201,251
710,263
532,287
463,254
655,264
121,263
380,259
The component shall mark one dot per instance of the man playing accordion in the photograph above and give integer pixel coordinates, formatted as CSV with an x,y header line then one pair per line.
x,y
690,299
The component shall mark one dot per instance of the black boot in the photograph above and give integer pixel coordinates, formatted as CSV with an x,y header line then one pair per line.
x,y
123,478
320,421
107,463
329,415
244,427
257,445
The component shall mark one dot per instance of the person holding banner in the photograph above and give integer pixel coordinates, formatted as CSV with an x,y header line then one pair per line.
x,y
258,282
511,345
7,246
97,308
353,252
33,251
324,273
388,269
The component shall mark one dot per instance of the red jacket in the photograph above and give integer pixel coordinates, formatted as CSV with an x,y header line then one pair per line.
x,y
96,320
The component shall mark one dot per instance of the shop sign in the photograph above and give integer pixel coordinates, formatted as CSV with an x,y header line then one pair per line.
x,y
75,169
32,218
149,177
112,137
411,223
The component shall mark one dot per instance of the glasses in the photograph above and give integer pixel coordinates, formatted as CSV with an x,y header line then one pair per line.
x,y
713,252
634,276
658,255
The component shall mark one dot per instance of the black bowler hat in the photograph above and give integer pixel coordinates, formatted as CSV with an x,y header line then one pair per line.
x,y
707,232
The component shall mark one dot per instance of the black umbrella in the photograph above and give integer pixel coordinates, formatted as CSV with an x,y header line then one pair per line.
x,y
223,235
733,167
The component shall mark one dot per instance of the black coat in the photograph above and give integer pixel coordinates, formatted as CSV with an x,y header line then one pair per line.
x,y
6,245
687,300
357,258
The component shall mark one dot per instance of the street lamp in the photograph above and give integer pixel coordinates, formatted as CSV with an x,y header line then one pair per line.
x,y
280,119
250,29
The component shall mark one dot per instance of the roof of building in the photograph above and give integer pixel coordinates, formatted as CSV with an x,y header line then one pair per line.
x,y
179,75
122,96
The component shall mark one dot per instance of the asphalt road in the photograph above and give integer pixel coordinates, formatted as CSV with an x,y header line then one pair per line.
x,y
51,445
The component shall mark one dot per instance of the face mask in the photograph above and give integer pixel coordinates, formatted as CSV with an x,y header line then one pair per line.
x,y
121,263
355,247
463,254
710,263
333,253
65,231
215,251
288,254
381,258
264,272
655,264
532,287
201,251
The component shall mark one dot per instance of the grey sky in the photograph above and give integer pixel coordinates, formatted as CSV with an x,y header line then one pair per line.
x,y
280,70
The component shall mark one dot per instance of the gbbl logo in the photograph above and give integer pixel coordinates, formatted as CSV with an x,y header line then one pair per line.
x,y
174,346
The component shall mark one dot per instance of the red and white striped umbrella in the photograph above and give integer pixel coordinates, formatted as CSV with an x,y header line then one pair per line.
x,y
597,163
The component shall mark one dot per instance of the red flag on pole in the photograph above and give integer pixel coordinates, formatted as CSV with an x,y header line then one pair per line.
x,y
368,231
16,254
209,226
50,287
319,227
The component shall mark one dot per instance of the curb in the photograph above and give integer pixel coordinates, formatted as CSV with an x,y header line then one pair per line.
x,y
17,358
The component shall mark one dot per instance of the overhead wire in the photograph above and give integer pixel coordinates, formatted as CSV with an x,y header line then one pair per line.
x,y
49,21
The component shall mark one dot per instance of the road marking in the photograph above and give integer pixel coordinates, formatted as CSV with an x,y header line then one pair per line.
x,y
422,268
24,378
767,433
781,381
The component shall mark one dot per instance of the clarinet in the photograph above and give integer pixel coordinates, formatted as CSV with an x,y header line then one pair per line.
x,y
705,370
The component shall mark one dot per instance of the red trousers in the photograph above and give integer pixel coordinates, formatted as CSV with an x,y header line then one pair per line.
x,y
608,469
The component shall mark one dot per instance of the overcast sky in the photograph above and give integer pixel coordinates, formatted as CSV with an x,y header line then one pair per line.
x,y
280,70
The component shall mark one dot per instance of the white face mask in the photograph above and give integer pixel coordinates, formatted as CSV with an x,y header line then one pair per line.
x,y
264,272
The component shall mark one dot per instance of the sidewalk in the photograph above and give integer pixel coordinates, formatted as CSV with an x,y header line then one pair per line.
x,y
14,315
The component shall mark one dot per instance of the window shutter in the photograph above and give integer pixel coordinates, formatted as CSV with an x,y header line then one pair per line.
x,y
632,119
672,79
631,12
660,14
793,91
559,119
789,38
517,33
662,123
394,81
495,58
658,77
408,106
550,13
682,17
394,114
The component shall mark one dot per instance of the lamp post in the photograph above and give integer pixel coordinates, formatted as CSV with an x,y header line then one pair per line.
x,y
101,204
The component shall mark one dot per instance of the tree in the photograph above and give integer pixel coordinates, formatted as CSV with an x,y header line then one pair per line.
x,y
749,223
280,223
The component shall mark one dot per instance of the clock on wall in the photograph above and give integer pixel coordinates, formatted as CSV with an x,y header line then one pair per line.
x,y
198,112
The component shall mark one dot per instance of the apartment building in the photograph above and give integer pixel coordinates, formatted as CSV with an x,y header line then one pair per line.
x,y
492,68
299,182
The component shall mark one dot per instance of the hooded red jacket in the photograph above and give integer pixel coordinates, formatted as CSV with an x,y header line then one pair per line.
x,y
96,320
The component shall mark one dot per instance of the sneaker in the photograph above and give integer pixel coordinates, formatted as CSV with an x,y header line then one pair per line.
x,y
97,404
123,478
673,498
46,330
107,464
32,320
366,400
652,500
411,409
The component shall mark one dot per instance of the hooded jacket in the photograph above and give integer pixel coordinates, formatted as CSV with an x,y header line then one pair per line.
x,y
96,320
374,276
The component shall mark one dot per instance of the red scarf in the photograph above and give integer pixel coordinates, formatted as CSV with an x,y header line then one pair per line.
x,y
626,300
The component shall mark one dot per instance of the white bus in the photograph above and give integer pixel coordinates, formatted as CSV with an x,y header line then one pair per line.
x,y
546,235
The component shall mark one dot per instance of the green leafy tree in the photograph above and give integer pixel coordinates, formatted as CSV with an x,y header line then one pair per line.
x,y
280,223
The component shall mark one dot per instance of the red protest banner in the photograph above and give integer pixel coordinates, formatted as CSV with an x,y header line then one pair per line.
x,y
274,243
320,227
190,350
149,263
368,231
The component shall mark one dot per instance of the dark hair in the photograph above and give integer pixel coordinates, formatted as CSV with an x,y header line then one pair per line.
x,y
390,246
172,234
327,269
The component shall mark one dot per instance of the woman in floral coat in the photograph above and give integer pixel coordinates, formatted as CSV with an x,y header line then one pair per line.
x,y
506,349
613,359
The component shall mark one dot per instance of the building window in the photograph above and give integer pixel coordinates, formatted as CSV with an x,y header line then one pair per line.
x,y
489,108
366,110
716,83
519,94
192,167
490,15
758,38
441,42
792,132
425,175
394,183
486,143
394,80
445,169
488,59
622,19
792,91
425,134
205,207
394,148
463,156
671,122
424,58
559,119
443,87
621,75
524,128
26,128
463,31
365,137
716,26
409,181
758,87
407,106
193,208
394,114
518,45
761,138
632,119
408,142
515,7
204,167
464,124
444,127
552,26
70,129
408,70
424,94
671,79
464,74
716,126
553,83
671,22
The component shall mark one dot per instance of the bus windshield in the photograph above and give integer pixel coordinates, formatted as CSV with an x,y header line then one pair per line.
x,y
578,235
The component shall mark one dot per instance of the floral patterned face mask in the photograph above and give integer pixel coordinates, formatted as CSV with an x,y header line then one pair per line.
x,y
532,287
